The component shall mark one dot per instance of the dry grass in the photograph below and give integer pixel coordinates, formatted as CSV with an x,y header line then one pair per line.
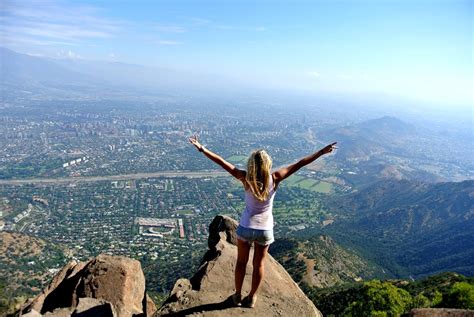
x,y
15,244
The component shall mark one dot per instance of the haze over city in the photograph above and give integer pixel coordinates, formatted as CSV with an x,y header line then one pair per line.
x,y
419,50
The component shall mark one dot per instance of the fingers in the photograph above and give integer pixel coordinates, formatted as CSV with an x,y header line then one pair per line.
x,y
329,148
193,138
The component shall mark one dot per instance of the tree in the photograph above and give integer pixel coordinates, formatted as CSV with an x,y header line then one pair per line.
x,y
461,295
420,301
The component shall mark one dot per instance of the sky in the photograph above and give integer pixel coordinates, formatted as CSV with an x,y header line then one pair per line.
x,y
417,49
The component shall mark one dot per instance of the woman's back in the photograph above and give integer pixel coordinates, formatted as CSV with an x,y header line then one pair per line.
x,y
258,214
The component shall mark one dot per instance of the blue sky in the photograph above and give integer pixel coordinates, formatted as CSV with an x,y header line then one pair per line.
x,y
417,49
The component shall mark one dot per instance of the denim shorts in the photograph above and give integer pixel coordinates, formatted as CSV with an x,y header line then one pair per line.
x,y
261,237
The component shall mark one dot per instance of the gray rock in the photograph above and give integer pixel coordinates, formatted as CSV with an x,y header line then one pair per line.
x,y
117,280
441,312
93,307
209,290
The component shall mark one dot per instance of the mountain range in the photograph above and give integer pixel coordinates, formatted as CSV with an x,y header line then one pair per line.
x,y
409,228
31,76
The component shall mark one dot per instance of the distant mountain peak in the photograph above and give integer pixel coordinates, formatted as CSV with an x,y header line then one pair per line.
x,y
387,123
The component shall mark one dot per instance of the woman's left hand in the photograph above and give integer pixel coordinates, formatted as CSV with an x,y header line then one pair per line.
x,y
329,148
194,141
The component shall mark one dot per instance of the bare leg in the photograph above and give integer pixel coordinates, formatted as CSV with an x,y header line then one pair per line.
x,y
243,249
259,255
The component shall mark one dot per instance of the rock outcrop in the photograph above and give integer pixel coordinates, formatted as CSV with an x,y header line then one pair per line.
x,y
115,286
104,286
441,312
208,292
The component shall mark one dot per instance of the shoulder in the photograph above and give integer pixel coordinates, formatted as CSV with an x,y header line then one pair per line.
x,y
242,177
277,176
238,173
275,181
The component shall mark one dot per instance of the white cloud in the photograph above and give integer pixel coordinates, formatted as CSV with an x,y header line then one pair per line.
x,y
68,55
35,54
51,23
7,39
314,74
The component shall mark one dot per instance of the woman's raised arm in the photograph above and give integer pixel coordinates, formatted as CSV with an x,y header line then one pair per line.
x,y
234,171
286,172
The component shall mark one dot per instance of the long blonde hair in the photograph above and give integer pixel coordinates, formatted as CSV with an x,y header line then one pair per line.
x,y
258,175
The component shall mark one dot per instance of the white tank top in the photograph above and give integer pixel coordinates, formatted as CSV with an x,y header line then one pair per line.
x,y
258,214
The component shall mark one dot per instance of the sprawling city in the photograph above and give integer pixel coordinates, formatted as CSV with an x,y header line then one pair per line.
x,y
118,178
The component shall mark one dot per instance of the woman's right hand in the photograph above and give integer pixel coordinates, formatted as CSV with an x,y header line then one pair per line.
x,y
328,148
194,141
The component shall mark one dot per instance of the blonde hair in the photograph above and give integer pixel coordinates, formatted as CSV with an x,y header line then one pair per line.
x,y
258,175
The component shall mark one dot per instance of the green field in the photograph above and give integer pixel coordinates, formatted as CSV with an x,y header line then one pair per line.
x,y
322,187
300,182
185,212
237,159
309,184
293,180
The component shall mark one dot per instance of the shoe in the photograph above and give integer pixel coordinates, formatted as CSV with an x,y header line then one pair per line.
x,y
237,299
249,301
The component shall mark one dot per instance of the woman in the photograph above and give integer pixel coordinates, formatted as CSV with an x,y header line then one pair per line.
x,y
256,223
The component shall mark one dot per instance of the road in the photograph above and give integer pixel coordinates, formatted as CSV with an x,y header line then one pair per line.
x,y
62,180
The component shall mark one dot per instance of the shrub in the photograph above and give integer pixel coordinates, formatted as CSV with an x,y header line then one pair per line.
x,y
461,295
380,299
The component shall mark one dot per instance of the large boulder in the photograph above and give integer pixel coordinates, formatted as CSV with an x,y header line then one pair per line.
x,y
208,292
104,286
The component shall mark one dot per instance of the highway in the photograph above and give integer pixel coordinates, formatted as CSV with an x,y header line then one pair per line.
x,y
62,180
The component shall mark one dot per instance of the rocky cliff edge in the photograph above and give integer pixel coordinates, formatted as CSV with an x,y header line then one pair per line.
x,y
208,292
103,286
115,286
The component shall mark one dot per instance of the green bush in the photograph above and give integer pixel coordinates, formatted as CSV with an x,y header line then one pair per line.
x,y
461,295
420,301
380,299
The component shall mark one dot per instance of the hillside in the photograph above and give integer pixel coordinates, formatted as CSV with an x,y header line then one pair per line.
x,y
320,262
31,76
391,148
446,290
370,137
409,228
26,265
